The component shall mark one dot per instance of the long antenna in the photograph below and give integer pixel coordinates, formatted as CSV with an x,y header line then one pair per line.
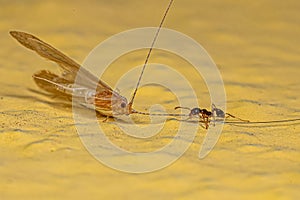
x,y
148,56
161,114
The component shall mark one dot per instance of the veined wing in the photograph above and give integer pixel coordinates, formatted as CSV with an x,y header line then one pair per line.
x,y
64,88
69,66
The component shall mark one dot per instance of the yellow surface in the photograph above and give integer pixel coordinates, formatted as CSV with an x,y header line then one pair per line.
x,y
256,46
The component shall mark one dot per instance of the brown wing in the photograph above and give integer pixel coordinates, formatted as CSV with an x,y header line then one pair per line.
x,y
69,66
63,88
51,82
105,99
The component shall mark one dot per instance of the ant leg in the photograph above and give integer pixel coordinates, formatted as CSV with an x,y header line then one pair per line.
x,y
205,120
214,118
186,108
106,118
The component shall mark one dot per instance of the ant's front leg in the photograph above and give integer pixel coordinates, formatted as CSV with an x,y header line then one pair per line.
x,y
206,123
205,120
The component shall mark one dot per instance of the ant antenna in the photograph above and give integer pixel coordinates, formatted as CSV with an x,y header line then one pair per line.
x,y
148,56
220,113
232,116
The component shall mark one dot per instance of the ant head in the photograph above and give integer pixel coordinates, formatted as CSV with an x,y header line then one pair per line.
x,y
220,113
217,111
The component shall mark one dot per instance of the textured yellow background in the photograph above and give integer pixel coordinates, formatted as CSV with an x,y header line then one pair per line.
x,y
256,46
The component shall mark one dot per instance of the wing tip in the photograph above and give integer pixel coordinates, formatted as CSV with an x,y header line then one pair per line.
x,y
14,34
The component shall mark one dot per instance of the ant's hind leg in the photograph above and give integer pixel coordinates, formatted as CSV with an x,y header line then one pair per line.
x,y
185,108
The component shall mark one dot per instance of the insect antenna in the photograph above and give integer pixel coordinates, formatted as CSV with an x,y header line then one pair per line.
x,y
148,56
160,114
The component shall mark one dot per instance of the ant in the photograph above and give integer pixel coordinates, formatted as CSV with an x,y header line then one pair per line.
x,y
206,114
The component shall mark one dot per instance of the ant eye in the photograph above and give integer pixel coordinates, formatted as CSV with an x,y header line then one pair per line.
x,y
123,105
